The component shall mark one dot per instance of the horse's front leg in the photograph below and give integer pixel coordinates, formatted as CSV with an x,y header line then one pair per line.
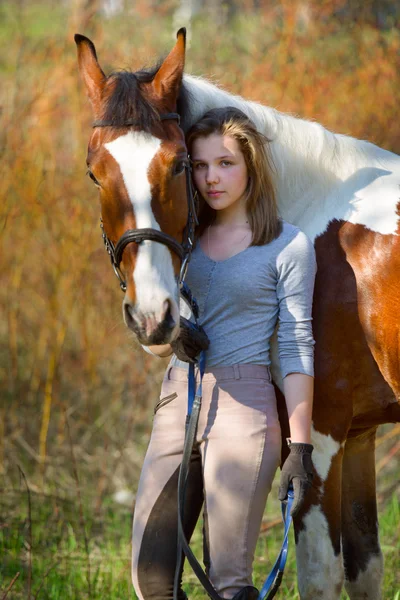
x,y
360,542
318,529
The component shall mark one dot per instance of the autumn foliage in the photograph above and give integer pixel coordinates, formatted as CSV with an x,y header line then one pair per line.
x,y
64,351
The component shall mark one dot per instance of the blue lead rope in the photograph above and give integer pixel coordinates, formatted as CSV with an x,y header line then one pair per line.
x,y
274,579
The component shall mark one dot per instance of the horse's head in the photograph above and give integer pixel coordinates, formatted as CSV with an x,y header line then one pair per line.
x,y
138,160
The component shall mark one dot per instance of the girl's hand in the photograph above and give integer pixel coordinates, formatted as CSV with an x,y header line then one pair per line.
x,y
298,470
192,339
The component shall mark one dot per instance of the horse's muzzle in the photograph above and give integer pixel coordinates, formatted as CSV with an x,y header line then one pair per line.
x,y
149,329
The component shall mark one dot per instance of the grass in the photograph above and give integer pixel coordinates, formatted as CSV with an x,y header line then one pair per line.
x,y
61,569
60,566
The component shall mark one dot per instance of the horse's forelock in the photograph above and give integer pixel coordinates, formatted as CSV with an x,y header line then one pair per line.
x,y
125,100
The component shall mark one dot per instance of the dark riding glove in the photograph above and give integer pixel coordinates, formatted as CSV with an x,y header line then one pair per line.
x,y
192,339
298,470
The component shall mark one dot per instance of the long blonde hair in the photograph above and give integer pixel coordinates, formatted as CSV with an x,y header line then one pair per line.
x,y
261,205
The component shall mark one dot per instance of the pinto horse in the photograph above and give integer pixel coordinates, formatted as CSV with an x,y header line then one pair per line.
x,y
344,194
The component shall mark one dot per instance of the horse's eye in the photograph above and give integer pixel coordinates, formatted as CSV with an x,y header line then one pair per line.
x,y
179,167
93,178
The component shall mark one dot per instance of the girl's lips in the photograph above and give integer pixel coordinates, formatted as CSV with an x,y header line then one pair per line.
x,y
214,193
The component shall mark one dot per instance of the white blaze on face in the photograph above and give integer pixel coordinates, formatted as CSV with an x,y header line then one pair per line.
x,y
325,448
319,570
153,274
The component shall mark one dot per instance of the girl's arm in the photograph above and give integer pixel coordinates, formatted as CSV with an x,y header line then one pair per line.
x,y
296,275
297,469
298,390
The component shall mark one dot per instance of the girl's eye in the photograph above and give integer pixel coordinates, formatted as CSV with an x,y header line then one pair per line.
x,y
93,178
226,163
199,165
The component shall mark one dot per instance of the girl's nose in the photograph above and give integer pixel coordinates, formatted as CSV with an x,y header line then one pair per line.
x,y
211,175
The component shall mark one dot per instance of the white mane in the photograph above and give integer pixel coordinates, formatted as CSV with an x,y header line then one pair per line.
x,y
320,175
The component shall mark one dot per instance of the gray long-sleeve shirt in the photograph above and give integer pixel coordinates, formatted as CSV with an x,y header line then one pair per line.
x,y
242,298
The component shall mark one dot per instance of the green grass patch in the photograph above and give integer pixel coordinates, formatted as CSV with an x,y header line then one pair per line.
x,y
61,568
48,550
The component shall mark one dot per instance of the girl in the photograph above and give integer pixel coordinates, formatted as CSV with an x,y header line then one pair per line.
x,y
248,272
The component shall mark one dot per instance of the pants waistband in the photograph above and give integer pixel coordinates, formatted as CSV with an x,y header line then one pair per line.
x,y
246,371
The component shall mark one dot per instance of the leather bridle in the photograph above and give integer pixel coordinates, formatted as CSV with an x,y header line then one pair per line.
x,y
184,250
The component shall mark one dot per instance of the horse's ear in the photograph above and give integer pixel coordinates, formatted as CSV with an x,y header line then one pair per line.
x,y
167,82
90,70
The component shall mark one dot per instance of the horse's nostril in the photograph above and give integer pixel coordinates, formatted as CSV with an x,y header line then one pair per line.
x,y
167,317
130,317
127,311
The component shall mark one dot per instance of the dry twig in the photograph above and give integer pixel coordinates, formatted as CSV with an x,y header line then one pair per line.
x,y
270,525
393,431
13,580
388,456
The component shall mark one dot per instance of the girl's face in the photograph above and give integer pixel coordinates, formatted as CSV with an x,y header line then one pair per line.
x,y
220,171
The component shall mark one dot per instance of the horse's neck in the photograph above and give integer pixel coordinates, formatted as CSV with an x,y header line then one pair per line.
x,y
311,162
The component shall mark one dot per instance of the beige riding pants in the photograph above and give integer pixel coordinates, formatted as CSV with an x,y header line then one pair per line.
x,y
232,468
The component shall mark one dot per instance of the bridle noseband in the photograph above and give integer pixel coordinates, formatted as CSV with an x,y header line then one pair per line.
x,y
183,250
